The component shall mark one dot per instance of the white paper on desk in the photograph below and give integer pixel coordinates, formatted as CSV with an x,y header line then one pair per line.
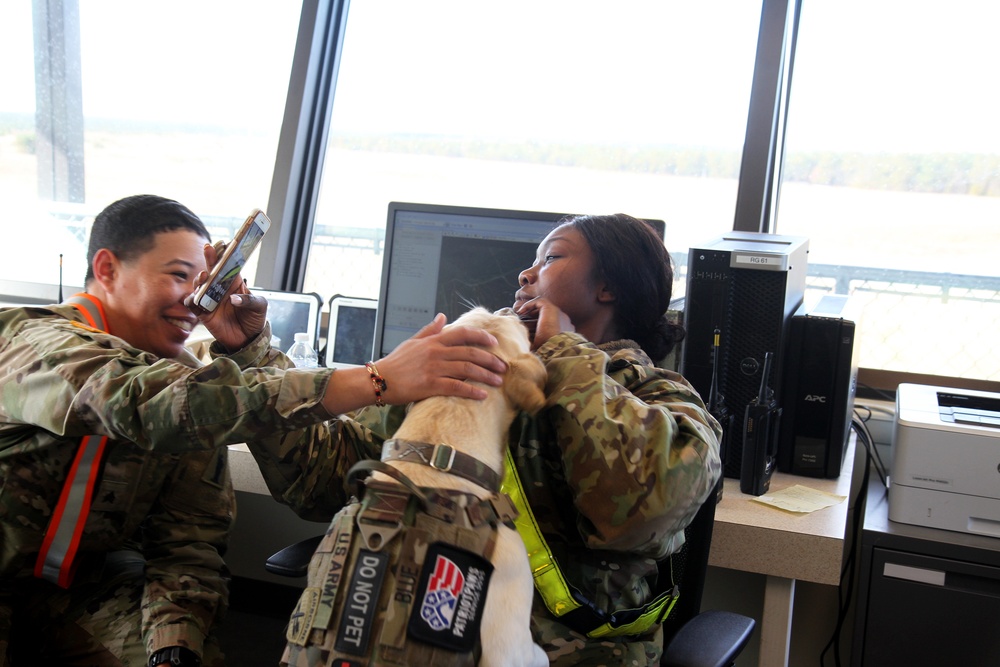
x,y
800,498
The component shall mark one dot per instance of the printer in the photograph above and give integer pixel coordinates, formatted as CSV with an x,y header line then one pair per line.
x,y
946,459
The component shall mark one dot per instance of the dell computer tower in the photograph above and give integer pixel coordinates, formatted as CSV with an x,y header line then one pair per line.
x,y
742,290
820,381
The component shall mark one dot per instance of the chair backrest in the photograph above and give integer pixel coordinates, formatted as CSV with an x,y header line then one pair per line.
x,y
690,565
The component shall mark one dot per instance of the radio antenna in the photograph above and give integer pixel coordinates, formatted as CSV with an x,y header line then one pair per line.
x,y
765,391
717,407
715,398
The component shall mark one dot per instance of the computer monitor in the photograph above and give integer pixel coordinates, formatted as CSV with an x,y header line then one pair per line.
x,y
290,313
446,259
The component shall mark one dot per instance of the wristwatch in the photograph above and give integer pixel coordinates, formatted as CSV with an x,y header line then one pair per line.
x,y
175,655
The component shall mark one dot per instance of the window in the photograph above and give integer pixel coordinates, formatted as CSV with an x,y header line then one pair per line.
x,y
567,107
191,110
892,170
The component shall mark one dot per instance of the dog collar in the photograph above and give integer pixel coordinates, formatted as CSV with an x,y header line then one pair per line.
x,y
444,458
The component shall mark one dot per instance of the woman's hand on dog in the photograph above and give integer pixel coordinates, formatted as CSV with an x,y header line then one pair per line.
x,y
434,362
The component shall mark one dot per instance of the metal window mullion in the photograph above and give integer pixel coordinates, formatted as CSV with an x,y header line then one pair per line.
x,y
58,100
763,149
302,145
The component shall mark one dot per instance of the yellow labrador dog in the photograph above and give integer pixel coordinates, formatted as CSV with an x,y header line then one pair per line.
x,y
424,603
480,430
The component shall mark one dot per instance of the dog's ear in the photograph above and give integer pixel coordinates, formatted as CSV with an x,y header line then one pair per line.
x,y
524,382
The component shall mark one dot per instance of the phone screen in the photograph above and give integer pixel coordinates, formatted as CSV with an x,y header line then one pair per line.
x,y
234,263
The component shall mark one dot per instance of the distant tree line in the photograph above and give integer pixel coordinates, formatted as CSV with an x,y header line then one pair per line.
x,y
947,173
944,173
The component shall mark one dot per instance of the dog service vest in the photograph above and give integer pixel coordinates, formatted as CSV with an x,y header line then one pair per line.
x,y
400,578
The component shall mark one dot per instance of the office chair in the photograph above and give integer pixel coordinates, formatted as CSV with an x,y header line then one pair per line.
x,y
691,637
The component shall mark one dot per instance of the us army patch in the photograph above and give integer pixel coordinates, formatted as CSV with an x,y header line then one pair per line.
x,y
357,620
451,597
301,620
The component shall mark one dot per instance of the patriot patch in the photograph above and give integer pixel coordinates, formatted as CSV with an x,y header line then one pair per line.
x,y
450,598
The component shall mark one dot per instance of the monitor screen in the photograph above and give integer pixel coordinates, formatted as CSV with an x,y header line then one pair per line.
x,y
350,331
448,258
290,313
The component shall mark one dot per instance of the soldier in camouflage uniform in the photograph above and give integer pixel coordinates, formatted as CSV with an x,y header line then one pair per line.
x,y
149,574
617,463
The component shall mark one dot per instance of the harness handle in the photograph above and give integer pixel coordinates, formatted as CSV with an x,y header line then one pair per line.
x,y
369,466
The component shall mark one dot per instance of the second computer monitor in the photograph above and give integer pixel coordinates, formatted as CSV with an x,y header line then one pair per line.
x,y
449,258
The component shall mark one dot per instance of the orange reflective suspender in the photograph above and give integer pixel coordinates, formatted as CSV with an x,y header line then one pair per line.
x,y
62,537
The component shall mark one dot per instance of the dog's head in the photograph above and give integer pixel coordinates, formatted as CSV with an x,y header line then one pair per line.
x,y
524,382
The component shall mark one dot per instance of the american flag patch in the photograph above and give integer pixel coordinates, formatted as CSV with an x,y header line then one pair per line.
x,y
445,585
452,594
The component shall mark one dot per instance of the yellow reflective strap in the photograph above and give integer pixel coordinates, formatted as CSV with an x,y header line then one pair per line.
x,y
549,580
656,611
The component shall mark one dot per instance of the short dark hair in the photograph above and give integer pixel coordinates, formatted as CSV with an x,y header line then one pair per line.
x,y
630,257
128,227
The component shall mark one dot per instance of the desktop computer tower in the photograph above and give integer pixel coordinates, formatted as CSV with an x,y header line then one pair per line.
x,y
742,289
820,381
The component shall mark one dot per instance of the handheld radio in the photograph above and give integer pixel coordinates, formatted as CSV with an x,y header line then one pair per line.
x,y
760,437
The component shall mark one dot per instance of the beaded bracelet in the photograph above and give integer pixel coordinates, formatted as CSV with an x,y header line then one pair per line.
x,y
378,383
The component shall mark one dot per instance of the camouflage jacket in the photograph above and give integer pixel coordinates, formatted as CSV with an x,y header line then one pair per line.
x,y
165,486
614,467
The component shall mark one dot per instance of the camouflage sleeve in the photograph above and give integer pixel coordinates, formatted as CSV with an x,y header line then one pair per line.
x,y
184,537
258,352
640,450
88,383
307,469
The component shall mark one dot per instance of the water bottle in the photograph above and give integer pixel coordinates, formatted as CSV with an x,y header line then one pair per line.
x,y
302,353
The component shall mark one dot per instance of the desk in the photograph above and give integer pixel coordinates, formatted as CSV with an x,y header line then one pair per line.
x,y
785,546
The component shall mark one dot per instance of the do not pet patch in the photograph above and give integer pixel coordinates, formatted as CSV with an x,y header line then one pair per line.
x,y
357,619
448,606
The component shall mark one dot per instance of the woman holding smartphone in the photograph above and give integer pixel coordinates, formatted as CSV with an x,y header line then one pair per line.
x,y
100,393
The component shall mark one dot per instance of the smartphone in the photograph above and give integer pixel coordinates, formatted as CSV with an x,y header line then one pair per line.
x,y
238,251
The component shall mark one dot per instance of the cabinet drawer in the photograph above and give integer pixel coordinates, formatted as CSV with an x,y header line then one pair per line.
x,y
924,610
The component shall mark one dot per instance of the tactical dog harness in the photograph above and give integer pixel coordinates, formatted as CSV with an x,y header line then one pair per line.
x,y
401,575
